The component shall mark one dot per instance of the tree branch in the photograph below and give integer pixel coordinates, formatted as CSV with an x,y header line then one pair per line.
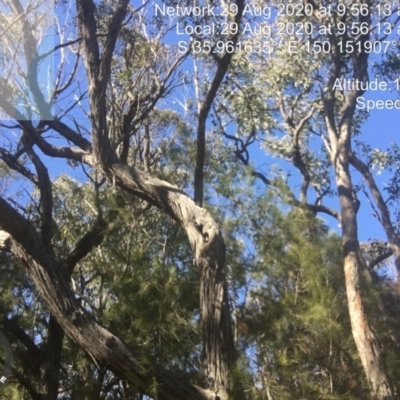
x,y
78,324
24,382
11,325
315,208
46,196
205,108
47,148
85,245
98,70
69,134
392,237
111,39
379,259
13,164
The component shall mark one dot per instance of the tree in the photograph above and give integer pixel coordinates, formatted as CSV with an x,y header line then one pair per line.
x,y
50,272
133,139
307,350
307,103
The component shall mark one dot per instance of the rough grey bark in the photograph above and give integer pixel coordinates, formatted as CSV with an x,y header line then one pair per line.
x,y
209,254
104,347
204,235
48,273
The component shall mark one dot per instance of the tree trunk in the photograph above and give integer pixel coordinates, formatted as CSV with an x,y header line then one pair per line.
x,y
209,254
79,325
368,346
50,366
339,128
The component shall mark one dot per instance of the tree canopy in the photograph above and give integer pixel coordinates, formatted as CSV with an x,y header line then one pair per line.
x,y
172,180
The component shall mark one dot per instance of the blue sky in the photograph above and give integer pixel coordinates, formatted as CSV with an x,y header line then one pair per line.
x,y
380,130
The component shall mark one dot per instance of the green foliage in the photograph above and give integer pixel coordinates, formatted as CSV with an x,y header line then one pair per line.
x,y
294,323
284,266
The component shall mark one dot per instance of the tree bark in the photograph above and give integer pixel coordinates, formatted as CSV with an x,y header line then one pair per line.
x,y
209,254
205,107
51,361
368,346
369,349
204,234
79,325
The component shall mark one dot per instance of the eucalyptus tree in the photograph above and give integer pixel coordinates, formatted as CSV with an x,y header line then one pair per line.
x,y
303,101
115,109
115,41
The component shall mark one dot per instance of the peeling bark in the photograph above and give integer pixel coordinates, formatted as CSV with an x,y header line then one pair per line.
x,y
340,133
368,346
209,253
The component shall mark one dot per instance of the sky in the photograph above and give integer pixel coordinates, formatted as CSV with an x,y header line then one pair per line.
x,y
380,130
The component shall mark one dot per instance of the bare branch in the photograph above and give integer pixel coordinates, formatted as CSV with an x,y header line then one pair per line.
x,y
205,108
12,163
379,259
85,245
384,215
45,188
12,326
69,134
111,39
99,70
47,148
